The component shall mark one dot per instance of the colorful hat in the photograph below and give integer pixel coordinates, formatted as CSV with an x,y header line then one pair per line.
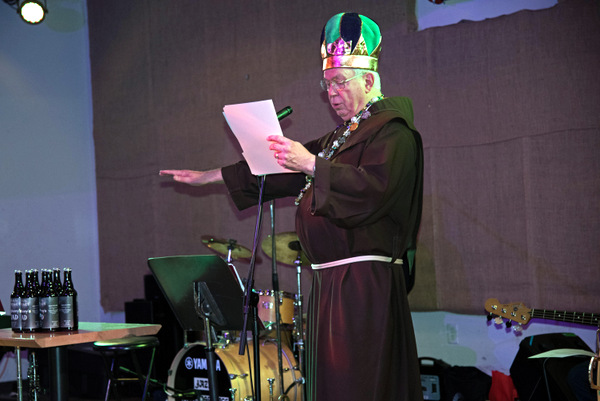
x,y
350,40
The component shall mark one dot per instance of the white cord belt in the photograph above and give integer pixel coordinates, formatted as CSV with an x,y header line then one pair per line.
x,y
362,258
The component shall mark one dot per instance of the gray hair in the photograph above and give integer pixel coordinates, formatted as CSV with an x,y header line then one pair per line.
x,y
376,77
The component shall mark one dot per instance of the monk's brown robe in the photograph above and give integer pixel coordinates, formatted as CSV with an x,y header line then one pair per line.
x,y
365,200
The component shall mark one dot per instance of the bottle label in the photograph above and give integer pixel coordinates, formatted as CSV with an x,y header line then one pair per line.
x,y
15,314
68,312
49,315
30,314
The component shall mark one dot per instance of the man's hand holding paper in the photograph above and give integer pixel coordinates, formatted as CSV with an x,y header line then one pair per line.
x,y
252,123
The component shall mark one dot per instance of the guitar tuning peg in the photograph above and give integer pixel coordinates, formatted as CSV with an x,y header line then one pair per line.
x,y
498,320
518,328
489,317
508,324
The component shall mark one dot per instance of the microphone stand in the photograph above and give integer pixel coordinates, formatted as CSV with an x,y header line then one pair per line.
x,y
275,281
251,299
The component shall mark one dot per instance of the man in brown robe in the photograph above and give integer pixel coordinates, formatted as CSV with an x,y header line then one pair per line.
x,y
359,195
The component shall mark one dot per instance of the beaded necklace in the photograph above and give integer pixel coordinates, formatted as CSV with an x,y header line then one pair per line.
x,y
351,126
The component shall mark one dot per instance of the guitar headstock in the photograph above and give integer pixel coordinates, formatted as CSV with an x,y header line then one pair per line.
x,y
516,312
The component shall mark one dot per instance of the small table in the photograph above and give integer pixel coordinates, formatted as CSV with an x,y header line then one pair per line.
x,y
88,332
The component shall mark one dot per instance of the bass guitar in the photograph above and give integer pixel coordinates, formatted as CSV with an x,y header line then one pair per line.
x,y
519,313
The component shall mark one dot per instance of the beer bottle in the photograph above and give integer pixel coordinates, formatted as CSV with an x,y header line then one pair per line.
x,y
49,316
41,292
44,283
67,303
30,304
35,281
15,302
57,283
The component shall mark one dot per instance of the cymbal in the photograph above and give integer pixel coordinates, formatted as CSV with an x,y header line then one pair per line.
x,y
222,247
287,248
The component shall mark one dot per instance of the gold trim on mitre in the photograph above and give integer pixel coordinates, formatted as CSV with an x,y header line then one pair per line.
x,y
338,54
362,62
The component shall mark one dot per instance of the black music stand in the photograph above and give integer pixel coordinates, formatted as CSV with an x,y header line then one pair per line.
x,y
201,288
176,276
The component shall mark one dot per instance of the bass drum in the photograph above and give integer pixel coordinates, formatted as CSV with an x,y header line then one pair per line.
x,y
189,373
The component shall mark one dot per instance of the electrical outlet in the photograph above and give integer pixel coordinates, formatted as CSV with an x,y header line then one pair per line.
x,y
451,333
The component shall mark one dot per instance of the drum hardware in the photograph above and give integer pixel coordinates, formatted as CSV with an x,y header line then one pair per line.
x,y
285,248
277,304
225,339
271,380
228,248
299,322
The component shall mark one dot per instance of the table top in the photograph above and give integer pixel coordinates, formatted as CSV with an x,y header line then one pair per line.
x,y
88,332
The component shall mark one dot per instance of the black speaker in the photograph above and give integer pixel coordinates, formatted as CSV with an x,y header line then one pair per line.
x,y
156,310
432,378
544,379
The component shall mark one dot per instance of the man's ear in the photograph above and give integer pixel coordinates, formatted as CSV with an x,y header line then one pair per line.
x,y
369,81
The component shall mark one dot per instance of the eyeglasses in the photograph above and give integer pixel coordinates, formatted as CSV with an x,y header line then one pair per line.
x,y
337,85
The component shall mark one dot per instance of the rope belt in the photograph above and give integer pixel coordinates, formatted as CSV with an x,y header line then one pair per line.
x,y
362,258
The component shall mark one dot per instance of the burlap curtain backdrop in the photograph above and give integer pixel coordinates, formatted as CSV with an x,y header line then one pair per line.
x,y
509,111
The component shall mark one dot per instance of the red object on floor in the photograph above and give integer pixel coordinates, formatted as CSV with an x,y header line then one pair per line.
x,y
503,388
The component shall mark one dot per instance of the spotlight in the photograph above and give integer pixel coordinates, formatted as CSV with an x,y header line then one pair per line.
x,y
31,11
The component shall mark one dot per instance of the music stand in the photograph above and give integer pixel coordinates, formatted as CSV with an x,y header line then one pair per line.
x,y
176,276
201,287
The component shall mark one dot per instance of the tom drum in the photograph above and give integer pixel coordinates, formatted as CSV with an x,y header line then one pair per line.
x,y
266,309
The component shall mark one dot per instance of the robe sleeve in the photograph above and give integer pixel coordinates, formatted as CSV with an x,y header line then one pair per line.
x,y
244,187
370,180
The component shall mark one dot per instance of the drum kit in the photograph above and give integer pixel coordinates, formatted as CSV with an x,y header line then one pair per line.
x,y
281,344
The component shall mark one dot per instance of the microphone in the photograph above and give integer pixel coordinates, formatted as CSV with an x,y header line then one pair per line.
x,y
283,113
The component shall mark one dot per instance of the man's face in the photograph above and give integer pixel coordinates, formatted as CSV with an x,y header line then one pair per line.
x,y
350,100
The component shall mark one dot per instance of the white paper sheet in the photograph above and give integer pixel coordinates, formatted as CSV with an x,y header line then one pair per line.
x,y
562,353
251,123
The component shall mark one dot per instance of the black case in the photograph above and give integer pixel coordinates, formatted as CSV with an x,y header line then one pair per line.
x,y
544,379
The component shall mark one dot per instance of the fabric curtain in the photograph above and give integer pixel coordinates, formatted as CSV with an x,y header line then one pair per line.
x,y
508,108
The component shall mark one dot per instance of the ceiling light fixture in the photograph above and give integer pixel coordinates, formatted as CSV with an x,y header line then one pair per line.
x,y
31,11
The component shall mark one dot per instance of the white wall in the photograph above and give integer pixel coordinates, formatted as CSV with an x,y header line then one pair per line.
x,y
432,13
47,169
48,190
468,340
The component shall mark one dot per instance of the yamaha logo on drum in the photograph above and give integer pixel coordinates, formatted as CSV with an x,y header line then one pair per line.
x,y
199,363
